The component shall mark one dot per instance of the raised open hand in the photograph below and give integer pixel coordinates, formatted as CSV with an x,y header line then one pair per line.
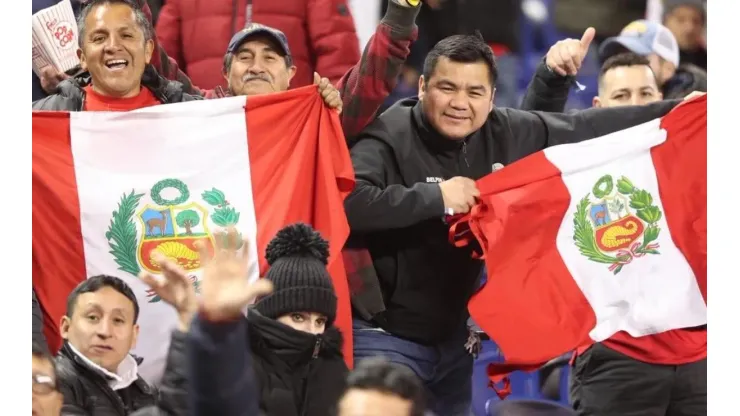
x,y
225,289
174,287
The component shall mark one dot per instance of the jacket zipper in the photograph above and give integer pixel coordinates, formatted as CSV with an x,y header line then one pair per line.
x,y
465,152
314,355
316,349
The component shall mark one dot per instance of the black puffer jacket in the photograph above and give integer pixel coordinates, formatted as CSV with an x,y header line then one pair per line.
x,y
299,374
687,79
86,391
70,95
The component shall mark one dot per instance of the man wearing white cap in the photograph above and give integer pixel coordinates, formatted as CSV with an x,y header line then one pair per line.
x,y
649,39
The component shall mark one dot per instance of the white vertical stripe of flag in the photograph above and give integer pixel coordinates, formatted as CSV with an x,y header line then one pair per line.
x,y
202,143
653,293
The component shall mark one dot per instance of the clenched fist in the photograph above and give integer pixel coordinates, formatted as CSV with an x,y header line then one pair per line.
x,y
328,92
566,56
459,194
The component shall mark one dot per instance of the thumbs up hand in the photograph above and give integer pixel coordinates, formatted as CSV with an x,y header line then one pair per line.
x,y
566,56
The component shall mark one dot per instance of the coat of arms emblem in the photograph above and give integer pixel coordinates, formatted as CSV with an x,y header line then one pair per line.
x,y
615,226
170,226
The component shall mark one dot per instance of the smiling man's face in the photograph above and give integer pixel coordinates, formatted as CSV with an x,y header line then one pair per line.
x,y
259,67
457,97
115,50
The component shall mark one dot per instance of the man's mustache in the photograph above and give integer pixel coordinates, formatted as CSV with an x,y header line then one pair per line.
x,y
250,77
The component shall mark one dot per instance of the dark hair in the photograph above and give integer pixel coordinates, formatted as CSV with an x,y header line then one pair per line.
x,y
379,374
144,23
623,59
41,351
98,282
462,49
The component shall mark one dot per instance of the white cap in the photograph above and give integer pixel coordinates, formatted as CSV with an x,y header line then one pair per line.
x,y
644,38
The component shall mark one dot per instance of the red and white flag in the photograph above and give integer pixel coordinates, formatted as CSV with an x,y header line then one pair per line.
x,y
108,188
584,240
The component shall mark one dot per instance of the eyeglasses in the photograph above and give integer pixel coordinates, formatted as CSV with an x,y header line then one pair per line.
x,y
43,384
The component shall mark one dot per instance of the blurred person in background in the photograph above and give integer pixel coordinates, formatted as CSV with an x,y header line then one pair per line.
x,y
656,375
416,166
322,33
651,40
572,17
687,20
97,374
378,387
46,400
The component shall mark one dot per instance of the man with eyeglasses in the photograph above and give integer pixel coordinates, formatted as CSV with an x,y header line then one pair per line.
x,y
46,399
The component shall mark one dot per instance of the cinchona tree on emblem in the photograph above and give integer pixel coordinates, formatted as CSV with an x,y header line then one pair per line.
x,y
172,226
616,226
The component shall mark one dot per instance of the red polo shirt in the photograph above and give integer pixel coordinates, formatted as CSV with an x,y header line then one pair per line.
x,y
680,346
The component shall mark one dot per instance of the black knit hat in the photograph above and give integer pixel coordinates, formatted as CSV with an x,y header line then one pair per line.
x,y
297,256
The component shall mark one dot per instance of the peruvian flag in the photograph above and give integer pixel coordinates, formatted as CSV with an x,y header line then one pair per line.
x,y
108,188
584,240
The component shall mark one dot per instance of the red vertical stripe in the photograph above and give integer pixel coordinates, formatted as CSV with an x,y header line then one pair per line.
x,y
530,306
681,167
301,172
58,253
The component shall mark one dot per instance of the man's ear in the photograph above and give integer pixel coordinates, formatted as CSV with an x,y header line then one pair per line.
x,y
64,326
136,335
422,87
83,60
493,98
149,50
597,102
291,73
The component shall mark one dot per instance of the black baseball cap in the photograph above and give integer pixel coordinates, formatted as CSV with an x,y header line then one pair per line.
x,y
258,29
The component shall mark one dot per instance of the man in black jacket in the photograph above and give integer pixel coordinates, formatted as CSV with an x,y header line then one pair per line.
x,y
96,374
417,163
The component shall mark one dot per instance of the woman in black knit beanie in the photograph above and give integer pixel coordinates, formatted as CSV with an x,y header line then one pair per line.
x,y
297,351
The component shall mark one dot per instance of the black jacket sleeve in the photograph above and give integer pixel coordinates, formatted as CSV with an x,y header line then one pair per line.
x,y
547,91
173,391
220,370
535,131
375,205
37,322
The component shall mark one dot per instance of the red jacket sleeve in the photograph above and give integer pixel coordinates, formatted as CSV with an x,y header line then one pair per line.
x,y
168,31
334,44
